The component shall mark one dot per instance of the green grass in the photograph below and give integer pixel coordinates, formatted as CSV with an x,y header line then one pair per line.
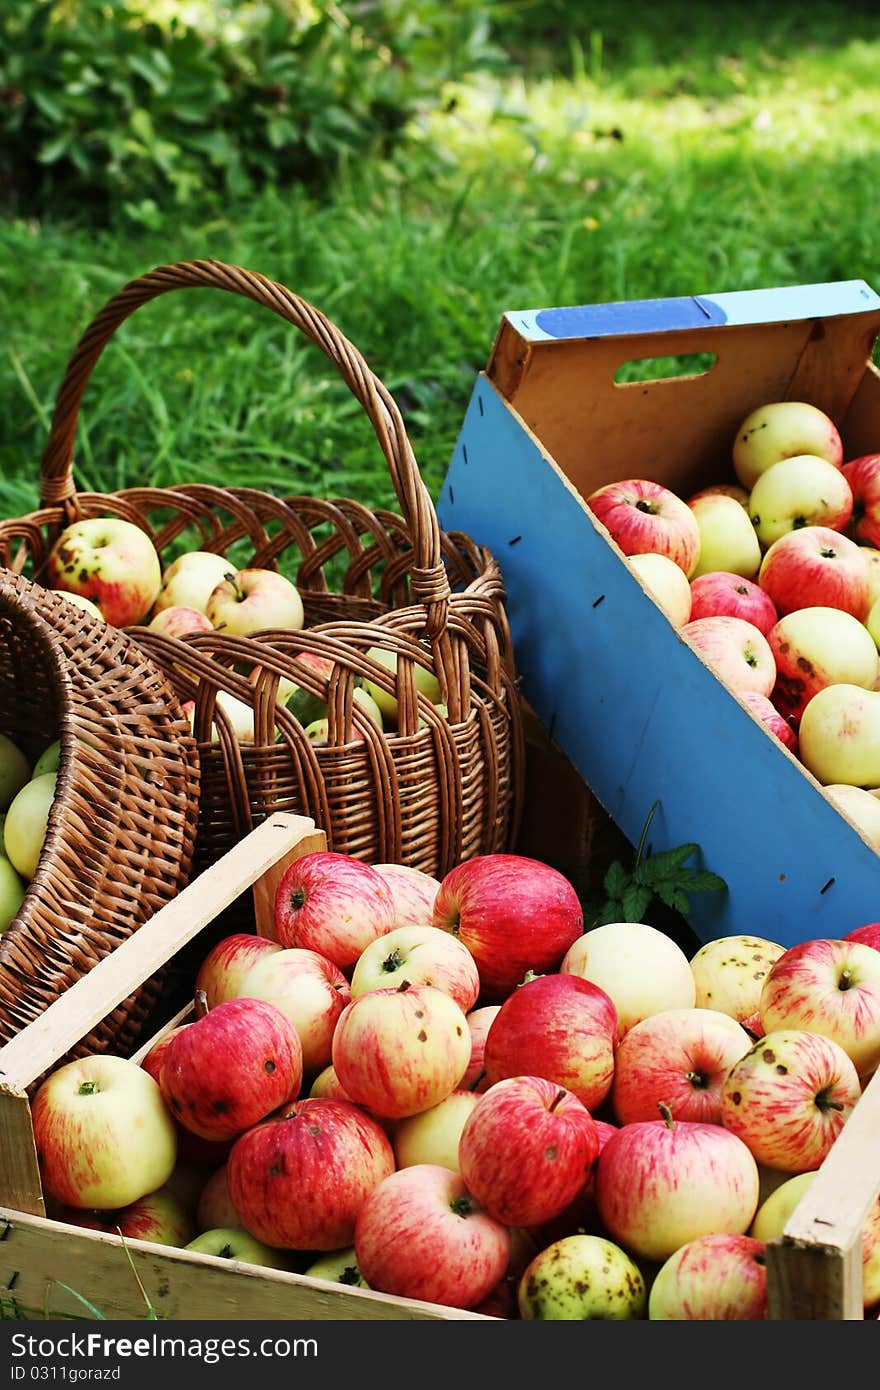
x,y
687,149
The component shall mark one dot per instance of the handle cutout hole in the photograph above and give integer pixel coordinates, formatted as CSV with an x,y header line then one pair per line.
x,y
685,365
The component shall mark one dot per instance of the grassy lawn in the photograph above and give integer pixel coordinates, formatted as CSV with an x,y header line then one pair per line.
x,y
672,149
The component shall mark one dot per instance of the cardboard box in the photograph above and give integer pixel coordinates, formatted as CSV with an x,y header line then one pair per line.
x,y
627,699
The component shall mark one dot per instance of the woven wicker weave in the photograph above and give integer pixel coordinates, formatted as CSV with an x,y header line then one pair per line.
x,y
429,793
120,835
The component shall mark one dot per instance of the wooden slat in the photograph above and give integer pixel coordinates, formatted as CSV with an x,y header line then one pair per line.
x,y
20,1183
180,1284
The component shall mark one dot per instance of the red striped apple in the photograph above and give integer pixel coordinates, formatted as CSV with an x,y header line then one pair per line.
x,y
412,892
424,956
735,650
804,490
816,567
214,1206
308,989
679,1057
110,561
721,594
778,430
863,476
254,600
869,933
816,647
641,515
159,1216
334,904
178,620
712,1278
227,962
479,1022
830,987
775,723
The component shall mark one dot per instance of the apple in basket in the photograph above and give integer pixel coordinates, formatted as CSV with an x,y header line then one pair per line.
x,y
26,823
253,600
190,580
110,561
15,771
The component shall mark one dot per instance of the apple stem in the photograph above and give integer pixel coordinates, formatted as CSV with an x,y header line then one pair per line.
x,y
393,962
846,980
666,1113
461,1206
645,505
87,1088
200,1004
557,1099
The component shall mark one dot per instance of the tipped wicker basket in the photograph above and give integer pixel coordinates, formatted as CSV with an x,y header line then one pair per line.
x,y
430,792
121,829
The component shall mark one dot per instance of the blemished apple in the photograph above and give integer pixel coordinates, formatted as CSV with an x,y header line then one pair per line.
x,y
839,735
235,1243
863,476
816,567
816,647
189,581
728,540
861,806
334,904
774,722
338,1267
412,892
231,1068
730,972
515,914
805,490
582,1278
641,515
103,1135
254,600
178,620
666,582
110,561
720,594
214,1206
422,955
27,822
227,962
680,1057
638,966
710,1279
479,1020
84,604
830,987
421,1234
432,1136
400,1051
561,1027
661,1183
425,682
160,1217
308,989
735,650
12,893
789,1097
779,430
300,1178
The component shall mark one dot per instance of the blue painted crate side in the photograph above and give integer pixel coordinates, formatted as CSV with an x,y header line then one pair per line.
x,y
637,712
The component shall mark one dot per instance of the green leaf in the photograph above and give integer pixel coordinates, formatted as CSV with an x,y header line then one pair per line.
x,y
616,879
665,864
675,898
634,902
704,881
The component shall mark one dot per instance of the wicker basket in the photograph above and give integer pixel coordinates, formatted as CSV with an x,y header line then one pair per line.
x,y
120,834
430,792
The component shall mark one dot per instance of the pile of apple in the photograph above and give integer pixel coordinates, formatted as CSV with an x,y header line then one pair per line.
x,y
449,1091
110,568
775,580
26,797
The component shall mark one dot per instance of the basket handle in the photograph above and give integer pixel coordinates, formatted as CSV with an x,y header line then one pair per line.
x,y
430,585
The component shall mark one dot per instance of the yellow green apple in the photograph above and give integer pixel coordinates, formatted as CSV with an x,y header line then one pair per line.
x,y
778,430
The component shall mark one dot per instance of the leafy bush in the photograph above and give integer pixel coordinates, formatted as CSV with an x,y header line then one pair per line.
x,y
145,103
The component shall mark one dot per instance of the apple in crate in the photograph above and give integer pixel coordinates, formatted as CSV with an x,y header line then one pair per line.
x,y
424,956
774,722
727,537
582,1278
641,515
308,989
839,735
479,1022
214,1206
26,823
666,582
789,1097
254,600
333,904
230,1068
400,1051
869,933
432,1136
513,913
640,968
159,1216
561,1027
110,561
735,650
527,1149
227,962
680,1057
816,647
830,987
861,806
235,1243
863,476
721,594
713,1278
412,892
189,581
730,972
103,1134
300,1178
338,1267
779,430
661,1183
805,490
327,1086
816,567
421,1234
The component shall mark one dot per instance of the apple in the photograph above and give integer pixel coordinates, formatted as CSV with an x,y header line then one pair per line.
x,y
300,1178
711,1278
424,956
26,824
728,540
816,647
863,476
780,430
720,594
582,1278
334,904
479,1022
84,604
189,581
515,914
425,681
735,650
869,933
816,567
327,1086
872,560
581,1216
285,689
432,1135
49,760
227,962
214,1206
400,1051
774,722
153,1060
839,735
661,1183
789,1097
159,1216
103,1135
730,971
421,1234
178,620
561,1027
641,515
235,1243
110,561
680,1057
860,805
805,490
527,1149
338,1267
15,771
12,893
229,1069
412,892
641,969
666,582
741,494
254,600
308,989
830,987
